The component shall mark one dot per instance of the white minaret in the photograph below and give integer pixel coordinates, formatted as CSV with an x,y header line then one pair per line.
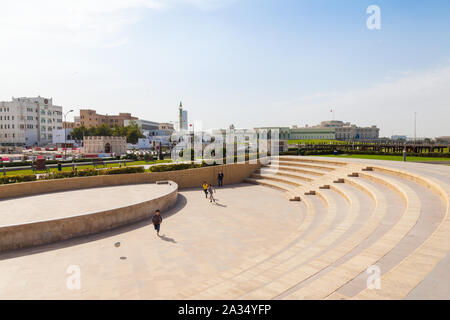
x,y
180,117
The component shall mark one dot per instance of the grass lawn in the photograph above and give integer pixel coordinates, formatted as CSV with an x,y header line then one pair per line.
x,y
81,167
381,157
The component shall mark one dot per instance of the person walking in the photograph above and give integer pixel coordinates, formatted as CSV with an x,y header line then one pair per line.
x,y
220,178
211,193
157,220
205,189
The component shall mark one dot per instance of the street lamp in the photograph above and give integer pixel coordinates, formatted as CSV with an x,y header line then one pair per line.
x,y
415,128
64,124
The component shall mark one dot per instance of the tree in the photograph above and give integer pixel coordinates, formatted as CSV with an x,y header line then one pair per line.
x,y
133,134
79,132
103,130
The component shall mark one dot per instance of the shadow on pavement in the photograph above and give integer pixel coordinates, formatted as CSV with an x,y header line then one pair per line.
x,y
165,238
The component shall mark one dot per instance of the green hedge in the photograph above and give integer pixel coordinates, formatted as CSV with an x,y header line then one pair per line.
x,y
177,166
124,170
16,179
91,172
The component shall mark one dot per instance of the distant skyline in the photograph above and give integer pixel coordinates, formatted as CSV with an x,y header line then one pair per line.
x,y
244,62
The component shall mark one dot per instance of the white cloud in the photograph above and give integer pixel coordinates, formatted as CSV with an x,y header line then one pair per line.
x,y
80,22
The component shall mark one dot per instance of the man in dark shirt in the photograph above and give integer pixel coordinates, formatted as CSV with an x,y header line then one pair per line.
x,y
220,179
157,220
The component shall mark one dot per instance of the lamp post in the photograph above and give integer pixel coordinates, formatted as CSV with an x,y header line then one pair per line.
x,y
65,117
415,128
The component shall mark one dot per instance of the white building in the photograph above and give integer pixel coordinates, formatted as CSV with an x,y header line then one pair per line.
x,y
29,121
63,136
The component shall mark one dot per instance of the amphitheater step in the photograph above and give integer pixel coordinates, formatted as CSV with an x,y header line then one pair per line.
x,y
277,178
273,184
304,165
302,160
284,173
310,173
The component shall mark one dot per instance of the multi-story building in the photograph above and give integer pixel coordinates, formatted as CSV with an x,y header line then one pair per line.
x,y
326,130
166,126
29,121
144,125
90,118
348,131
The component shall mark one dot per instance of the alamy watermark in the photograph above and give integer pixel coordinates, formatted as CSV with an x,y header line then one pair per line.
x,y
225,146
374,20
74,280
373,282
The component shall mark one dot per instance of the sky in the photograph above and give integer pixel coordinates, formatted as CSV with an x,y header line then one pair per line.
x,y
244,62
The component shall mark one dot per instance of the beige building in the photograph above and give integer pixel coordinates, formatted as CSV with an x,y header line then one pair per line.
x,y
348,131
69,125
93,144
90,118
327,130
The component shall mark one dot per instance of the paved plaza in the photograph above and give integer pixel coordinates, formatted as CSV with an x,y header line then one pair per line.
x,y
199,240
255,242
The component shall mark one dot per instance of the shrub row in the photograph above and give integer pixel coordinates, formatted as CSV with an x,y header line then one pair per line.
x,y
177,166
91,172
15,179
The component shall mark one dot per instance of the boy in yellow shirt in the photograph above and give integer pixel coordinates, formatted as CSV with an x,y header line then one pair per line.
x,y
205,188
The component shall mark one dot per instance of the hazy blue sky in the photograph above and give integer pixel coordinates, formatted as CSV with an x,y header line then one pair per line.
x,y
246,62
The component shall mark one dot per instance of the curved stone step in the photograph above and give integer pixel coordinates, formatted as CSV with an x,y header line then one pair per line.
x,y
310,172
274,185
398,282
300,159
303,165
285,282
254,277
333,280
288,174
309,224
278,178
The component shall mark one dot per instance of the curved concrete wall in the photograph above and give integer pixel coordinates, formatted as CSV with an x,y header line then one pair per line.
x,y
48,231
